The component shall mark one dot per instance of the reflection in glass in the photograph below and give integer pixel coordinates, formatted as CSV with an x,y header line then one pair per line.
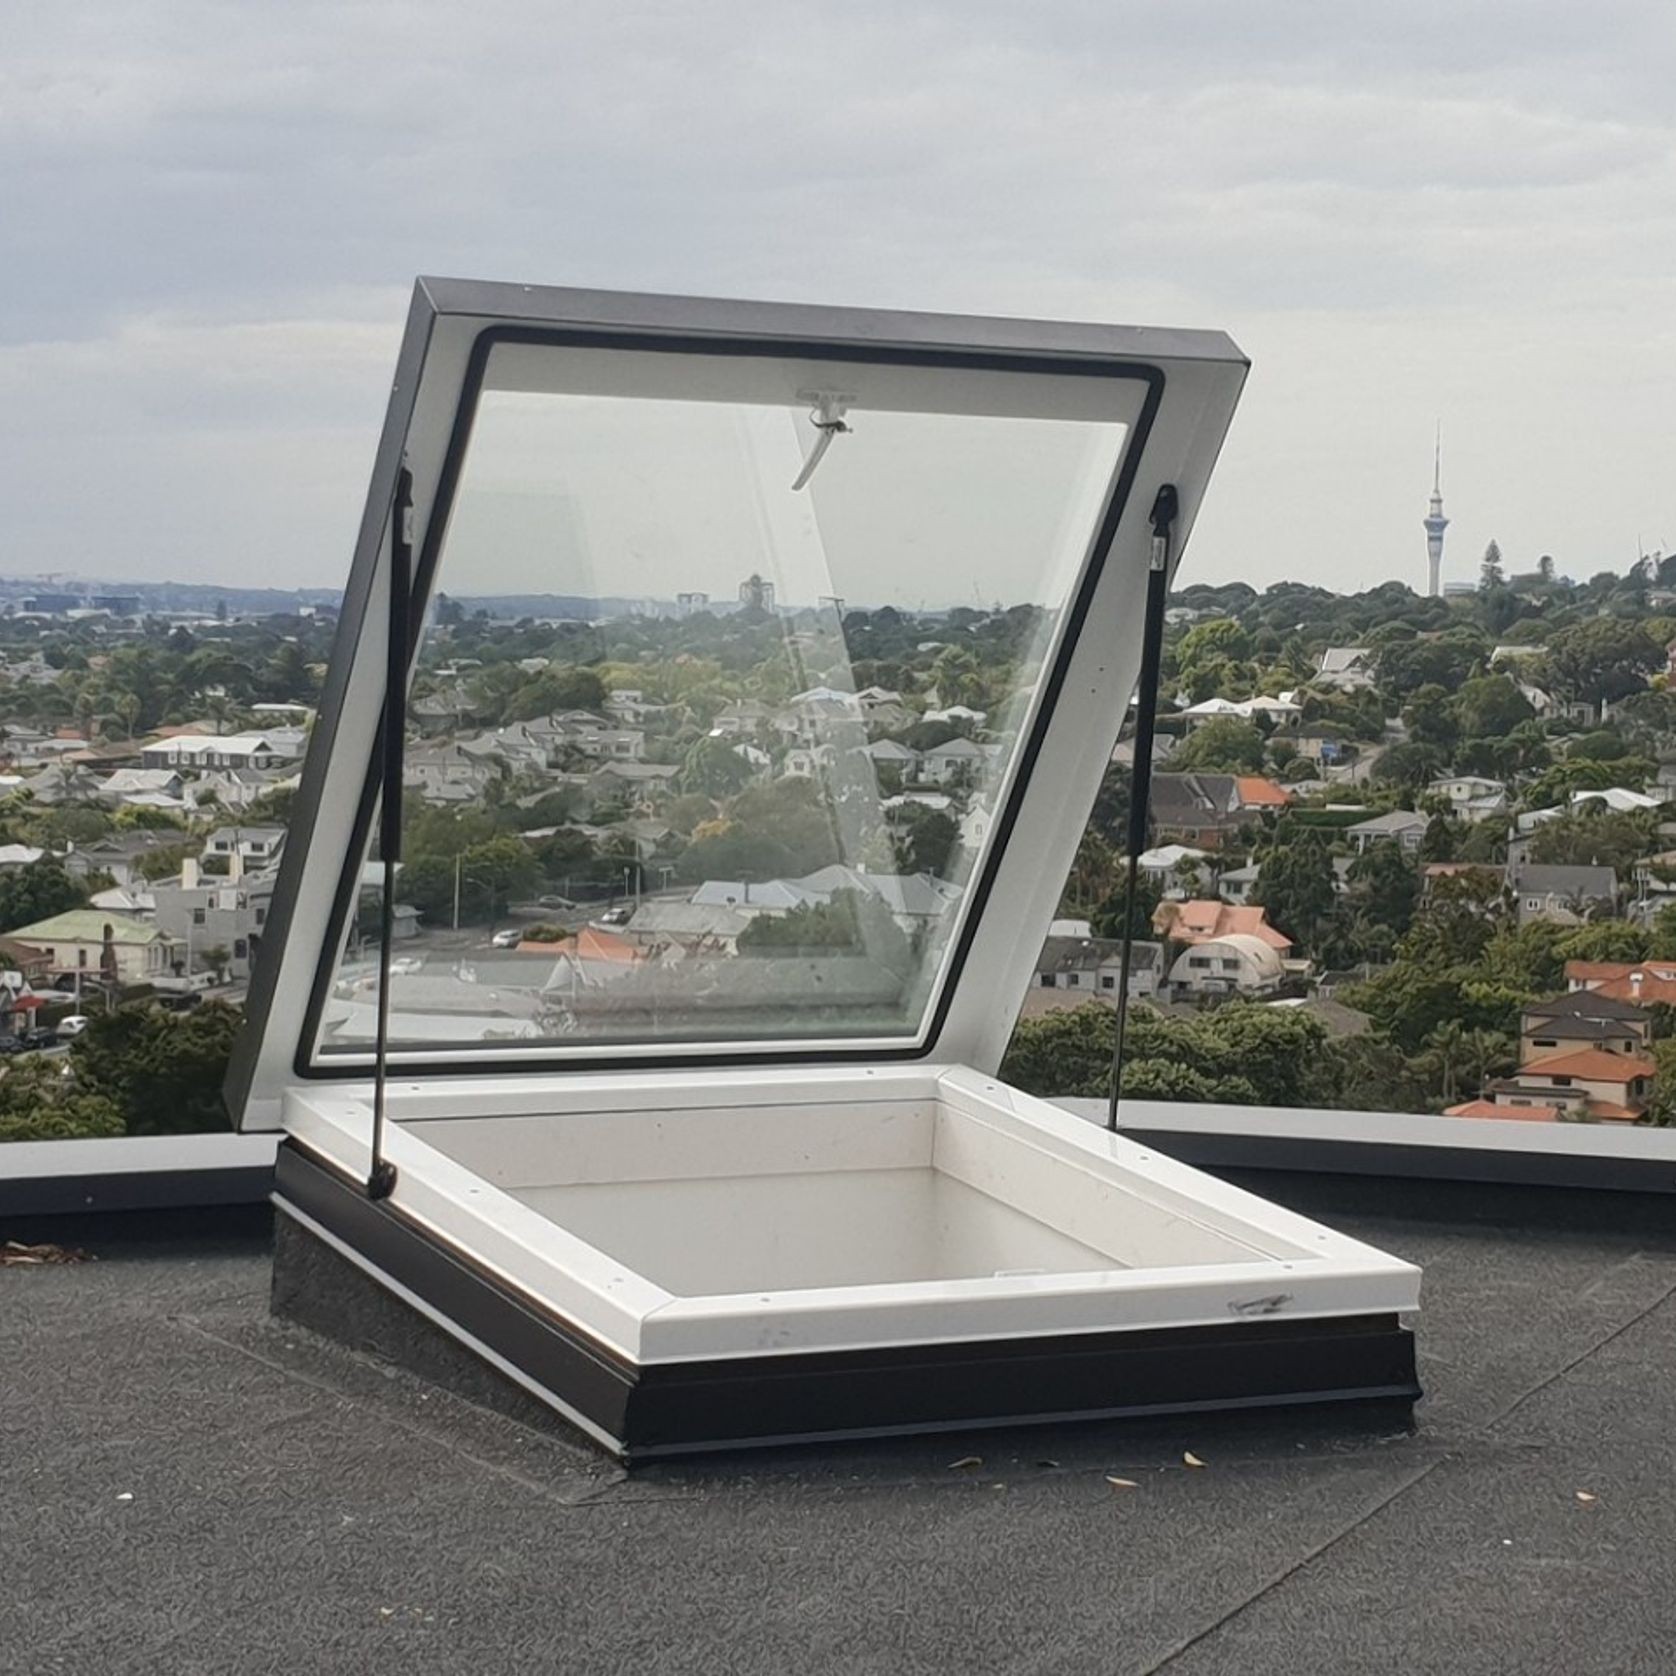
x,y
718,695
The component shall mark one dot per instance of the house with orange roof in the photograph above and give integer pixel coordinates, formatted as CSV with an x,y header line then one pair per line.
x,y
1205,919
1515,1111
1255,792
590,945
1587,1084
1645,983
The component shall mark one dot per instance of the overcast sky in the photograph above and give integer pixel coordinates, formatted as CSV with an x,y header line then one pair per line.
x,y
211,214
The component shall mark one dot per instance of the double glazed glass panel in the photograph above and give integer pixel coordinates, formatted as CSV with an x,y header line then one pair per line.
x,y
708,735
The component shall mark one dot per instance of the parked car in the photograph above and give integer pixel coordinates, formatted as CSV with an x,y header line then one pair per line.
x,y
508,939
617,916
70,1027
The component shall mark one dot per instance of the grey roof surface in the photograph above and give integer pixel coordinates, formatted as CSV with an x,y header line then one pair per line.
x,y
1559,879
296,1506
1586,1003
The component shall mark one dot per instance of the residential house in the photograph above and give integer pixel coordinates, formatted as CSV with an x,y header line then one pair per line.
x,y
119,855
19,855
1402,827
275,749
957,761
1646,983
1236,884
1235,964
431,769
1168,862
1584,1018
1619,799
255,846
85,941
1584,1084
30,963
200,914
660,926
1346,668
62,782
127,783
893,754
1470,797
1196,809
1203,920
1082,969
1562,895
1255,794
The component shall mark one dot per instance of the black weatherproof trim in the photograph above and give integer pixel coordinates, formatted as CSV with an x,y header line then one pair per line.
x,y
308,1065
1232,1149
755,1401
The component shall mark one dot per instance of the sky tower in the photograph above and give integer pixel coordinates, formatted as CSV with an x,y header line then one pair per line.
x,y
1436,523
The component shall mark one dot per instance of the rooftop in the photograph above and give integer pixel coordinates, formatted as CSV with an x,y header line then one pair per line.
x,y
341,1512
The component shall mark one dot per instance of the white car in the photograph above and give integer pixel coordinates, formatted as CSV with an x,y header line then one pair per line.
x,y
506,939
72,1026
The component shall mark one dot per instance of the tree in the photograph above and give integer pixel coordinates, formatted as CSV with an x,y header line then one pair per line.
x,y
1490,706
714,768
1384,887
1215,637
37,892
1222,745
1602,660
853,922
1489,571
1430,717
1116,915
38,1103
729,850
216,957
923,838
163,1071
1296,886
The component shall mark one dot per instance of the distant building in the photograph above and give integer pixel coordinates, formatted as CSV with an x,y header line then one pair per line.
x,y
1435,521
756,593
1235,964
1562,895
1402,827
97,944
1088,969
1204,919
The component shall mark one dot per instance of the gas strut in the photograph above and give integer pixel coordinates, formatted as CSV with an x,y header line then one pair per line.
x,y
1162,517
381,1174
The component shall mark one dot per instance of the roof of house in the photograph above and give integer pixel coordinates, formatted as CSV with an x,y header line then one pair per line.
x,y
1261,954
87,925
1256,791
1590,1064
1589,883
1193,799
1393,821
1089,954
1203,918
1652,982
1585,1003
1579,1027
1488,1108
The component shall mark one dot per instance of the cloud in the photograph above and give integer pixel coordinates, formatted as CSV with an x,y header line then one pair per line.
x,y
214,210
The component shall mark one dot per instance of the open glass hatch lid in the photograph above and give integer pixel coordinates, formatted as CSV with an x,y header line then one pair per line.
x,y
756,667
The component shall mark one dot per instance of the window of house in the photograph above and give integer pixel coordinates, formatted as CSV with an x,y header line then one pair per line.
x,y
240,948
1199,962
198,916
1107,981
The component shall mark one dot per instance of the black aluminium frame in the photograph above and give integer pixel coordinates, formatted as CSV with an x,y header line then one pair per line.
x,y
307,1065
644,1411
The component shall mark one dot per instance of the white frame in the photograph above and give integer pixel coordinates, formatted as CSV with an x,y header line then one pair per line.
x,y
1298,1268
